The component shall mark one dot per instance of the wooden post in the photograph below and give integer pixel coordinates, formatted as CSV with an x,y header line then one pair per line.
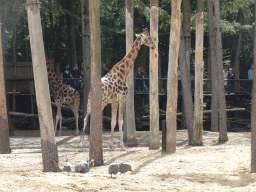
x,y
153,78
199,69
172,81
96,151
4,128
48,143
129,116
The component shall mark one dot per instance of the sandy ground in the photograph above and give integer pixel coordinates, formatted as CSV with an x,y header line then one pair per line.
x,y
211,167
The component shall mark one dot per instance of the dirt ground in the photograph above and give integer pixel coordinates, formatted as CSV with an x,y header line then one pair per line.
x,y
211,167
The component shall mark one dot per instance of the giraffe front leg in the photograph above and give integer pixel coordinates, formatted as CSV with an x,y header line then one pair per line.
x,y
57,118
120,123
113,123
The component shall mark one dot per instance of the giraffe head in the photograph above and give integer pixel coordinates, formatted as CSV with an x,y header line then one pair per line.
x,y
146,39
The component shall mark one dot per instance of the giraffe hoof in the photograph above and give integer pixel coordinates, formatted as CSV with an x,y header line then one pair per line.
x,y
111,148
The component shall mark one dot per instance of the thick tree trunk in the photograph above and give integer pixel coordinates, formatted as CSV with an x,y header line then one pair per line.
x,y
153,74
199,69
186,89
172,80
221,90
129,116
253,110
73,39
214,79
96,151
4,128
86,51
48,143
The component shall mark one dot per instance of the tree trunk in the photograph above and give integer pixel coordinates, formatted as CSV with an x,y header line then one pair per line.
x,y
129,116
48,143
186,89
221,90
172,80
4,128
96,151
199,69
86,50
237,62
253,110
14,41
73,38
153,81
214,79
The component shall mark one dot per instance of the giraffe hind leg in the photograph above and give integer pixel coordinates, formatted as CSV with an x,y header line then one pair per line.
x,y
120,123
58,119
113,123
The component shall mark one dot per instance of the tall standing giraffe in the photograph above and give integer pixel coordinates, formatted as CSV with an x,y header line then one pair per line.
x,y
62,94
114,87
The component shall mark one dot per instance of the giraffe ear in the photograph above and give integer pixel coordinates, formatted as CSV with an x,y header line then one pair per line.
x,y
136,35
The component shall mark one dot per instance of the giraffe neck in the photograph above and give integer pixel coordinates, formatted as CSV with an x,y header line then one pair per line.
x,y
124,66
55,82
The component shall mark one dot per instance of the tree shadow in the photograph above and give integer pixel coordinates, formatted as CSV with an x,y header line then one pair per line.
x,y
118,157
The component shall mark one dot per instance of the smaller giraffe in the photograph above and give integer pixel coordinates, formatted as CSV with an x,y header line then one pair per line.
x,y
114,88
62,94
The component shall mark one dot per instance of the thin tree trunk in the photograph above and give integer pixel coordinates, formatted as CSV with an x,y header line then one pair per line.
x,y
153,69
14,41
253,110
186,89
4,128
86,51
221,90
73,39
214,79
199,69
237,62
96,151
172,80
48,143
129,116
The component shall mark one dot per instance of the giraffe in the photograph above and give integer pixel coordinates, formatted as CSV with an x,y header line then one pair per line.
x,y
114,87
62,94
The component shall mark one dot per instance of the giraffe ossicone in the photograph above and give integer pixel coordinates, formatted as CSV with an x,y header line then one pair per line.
x,y
62,94
114,87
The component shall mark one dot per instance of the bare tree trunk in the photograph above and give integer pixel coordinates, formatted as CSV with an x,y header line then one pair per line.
x,y
199,69
221,90
48,143
86,51
96,151
172,80
253,110
14,41
214,79
129,116
73,39
153,69
186,89
187,37
237,62
4,128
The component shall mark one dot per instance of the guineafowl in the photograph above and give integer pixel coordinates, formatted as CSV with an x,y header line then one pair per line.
x,y
124,167
67,166
113,168
84,166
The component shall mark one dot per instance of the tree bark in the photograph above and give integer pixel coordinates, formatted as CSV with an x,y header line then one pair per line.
x,y
186,89
172,80
14,42
221,90
73,38
253,110
199,69
129,116
4,128
153,81
48,143
214,79
86,51
96,151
